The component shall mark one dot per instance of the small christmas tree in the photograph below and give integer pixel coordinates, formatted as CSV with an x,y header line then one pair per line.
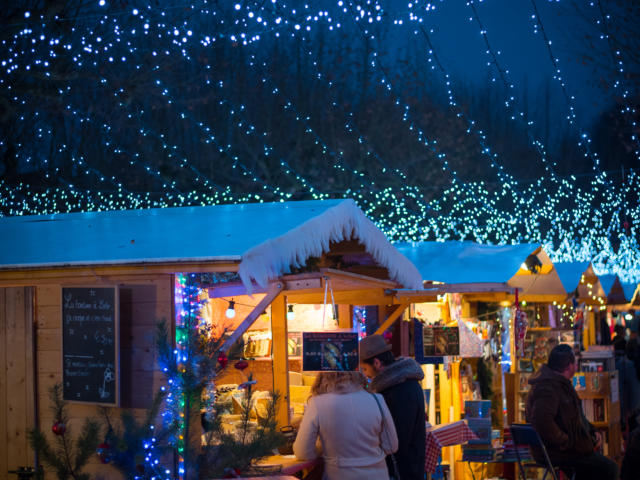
x,y
133,446
66,457
191,368
234,453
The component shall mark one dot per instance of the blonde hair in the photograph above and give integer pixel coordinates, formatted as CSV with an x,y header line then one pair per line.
x,y
337,382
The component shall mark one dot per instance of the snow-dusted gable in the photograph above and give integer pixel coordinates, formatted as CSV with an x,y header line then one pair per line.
x,y
344,221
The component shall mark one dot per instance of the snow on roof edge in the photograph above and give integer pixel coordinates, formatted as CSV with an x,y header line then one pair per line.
x,y
344,221
118,262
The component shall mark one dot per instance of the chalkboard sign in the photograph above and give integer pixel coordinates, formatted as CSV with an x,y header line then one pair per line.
x,y
329,351
89,345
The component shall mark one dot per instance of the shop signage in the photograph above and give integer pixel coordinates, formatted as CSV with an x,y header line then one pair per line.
x,y
329,351
90,345
432,344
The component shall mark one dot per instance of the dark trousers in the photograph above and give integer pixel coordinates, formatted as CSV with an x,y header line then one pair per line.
x,y
594,466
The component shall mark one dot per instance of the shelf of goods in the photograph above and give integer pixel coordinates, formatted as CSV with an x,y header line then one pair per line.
x,y
601,404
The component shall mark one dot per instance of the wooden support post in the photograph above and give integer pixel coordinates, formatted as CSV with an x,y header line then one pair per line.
x,y
592,327
345,316
391,318
456,402
280,358
404,338
446,410
429,383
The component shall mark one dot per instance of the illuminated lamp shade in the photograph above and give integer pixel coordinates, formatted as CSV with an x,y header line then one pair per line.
x,y
231,311
290,313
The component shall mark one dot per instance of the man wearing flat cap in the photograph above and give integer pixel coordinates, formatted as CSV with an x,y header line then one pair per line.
x,y
398,380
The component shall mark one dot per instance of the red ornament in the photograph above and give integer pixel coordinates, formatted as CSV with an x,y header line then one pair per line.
x,y
59,428
387,335
241,364
104,453
223,360
626,225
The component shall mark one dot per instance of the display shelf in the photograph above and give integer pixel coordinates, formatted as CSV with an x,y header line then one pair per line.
x,y
601,405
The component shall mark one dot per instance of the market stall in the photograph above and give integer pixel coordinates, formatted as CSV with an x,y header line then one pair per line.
x,y
491,293
108,278
586,299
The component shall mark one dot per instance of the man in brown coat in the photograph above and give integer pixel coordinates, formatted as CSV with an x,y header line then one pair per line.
x,y
555,412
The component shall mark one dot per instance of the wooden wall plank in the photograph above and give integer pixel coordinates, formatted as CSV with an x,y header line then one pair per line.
x,y
48,295
48,316
50,361
16,379
49,339
4,340
30,387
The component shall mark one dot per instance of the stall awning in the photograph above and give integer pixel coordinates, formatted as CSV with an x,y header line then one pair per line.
x,y
265,240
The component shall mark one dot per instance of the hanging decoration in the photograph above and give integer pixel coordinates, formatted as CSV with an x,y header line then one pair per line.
x,y
223,360
327,288
58,428
104,452
521,324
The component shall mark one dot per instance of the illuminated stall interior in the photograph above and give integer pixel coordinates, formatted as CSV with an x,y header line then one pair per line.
x,y
265,328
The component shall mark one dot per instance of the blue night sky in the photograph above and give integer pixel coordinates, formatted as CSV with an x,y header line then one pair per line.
x,y
110,105
510,30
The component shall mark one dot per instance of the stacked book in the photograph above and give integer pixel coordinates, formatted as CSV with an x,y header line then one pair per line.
x,y
478,416
509,453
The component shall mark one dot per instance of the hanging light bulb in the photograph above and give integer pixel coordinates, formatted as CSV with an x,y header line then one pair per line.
x,y
231,311
290,313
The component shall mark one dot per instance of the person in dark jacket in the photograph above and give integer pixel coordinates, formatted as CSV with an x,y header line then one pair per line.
x,y
398,380
631,460
555,411
618,341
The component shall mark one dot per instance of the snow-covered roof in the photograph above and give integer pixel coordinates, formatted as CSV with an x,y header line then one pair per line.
x,y
607,282
629,290
466,262
570,273
264,238
617,293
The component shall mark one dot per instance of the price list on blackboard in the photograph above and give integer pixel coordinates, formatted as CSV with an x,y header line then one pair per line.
x,y
89,346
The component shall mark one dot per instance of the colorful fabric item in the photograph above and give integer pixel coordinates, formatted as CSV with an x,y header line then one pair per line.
x,y
445,435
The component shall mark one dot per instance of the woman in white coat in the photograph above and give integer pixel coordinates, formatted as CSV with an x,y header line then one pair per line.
x,y
355,432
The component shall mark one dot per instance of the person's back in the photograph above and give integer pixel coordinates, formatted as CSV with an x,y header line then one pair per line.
x,y
555,411
354,427
398,380
619,341
631,461
406,404
350,425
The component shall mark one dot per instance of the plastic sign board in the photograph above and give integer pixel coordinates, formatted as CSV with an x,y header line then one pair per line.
x,y
330,351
